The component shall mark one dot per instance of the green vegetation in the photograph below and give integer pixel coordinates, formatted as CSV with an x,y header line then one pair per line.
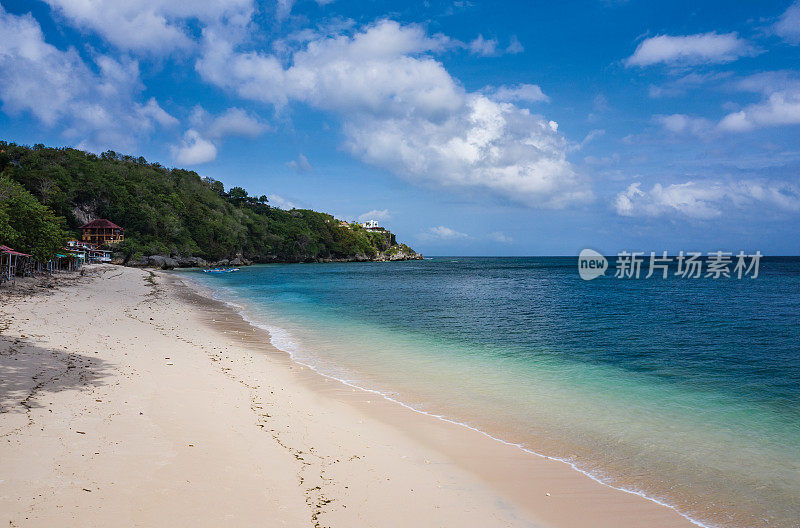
x,y
26,225
176,212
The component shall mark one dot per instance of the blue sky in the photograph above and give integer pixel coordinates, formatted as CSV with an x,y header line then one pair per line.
x,y
467,127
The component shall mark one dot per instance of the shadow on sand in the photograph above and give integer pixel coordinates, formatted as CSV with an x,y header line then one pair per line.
x,y
28,371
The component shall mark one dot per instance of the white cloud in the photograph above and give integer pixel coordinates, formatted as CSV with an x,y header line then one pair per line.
x,y
514,46
281,202
283,9
194,149
232,122
442,233
779,108
155,26
201,142
402,110
780,105
788,25
483,47
681,123
702,48
498,236
301,164
591,136
491,47
705,199
375,214
98,110
530,93
152,110
769,82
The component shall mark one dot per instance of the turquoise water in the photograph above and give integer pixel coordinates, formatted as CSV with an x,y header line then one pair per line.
x,y
686,391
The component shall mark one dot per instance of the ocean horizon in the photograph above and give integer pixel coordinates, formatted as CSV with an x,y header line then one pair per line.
x,y
685,391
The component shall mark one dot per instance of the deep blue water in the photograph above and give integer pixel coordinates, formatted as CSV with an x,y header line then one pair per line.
x,y
684,389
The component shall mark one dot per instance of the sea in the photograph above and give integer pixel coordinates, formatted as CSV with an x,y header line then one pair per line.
x,y
685,391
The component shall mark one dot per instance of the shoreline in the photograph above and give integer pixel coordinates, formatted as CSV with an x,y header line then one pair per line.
x,y
154,404
241,311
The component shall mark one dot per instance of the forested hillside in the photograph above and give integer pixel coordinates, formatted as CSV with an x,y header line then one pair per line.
x,y
176,212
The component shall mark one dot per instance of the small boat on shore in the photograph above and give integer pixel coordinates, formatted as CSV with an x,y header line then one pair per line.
x,y
221,270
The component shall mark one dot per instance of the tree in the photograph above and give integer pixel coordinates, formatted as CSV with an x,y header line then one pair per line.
x,y
27,225
237,195
164,211
215,185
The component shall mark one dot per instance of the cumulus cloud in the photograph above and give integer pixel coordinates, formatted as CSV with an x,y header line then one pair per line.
x,y
702,48
402,111
705,199
777,109
780,104
529,93
788,25
194,149
301,164
375,214
201,142
155,26
99,109
442,233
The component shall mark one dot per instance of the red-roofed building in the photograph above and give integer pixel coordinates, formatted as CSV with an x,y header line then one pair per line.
x,y
12,263
102,231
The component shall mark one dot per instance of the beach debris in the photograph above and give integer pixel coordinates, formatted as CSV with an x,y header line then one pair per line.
x,y
80,432
547,493
191,445
85,489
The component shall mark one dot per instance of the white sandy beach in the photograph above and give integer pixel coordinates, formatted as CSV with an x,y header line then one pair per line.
x,y
126,399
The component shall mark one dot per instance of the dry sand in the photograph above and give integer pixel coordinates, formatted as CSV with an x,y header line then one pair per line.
x,y
127,399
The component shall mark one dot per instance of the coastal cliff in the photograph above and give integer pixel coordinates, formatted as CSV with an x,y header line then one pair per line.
x,y
174,218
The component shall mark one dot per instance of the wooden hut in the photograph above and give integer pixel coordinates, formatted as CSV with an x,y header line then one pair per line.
x,y
12,263
102,231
